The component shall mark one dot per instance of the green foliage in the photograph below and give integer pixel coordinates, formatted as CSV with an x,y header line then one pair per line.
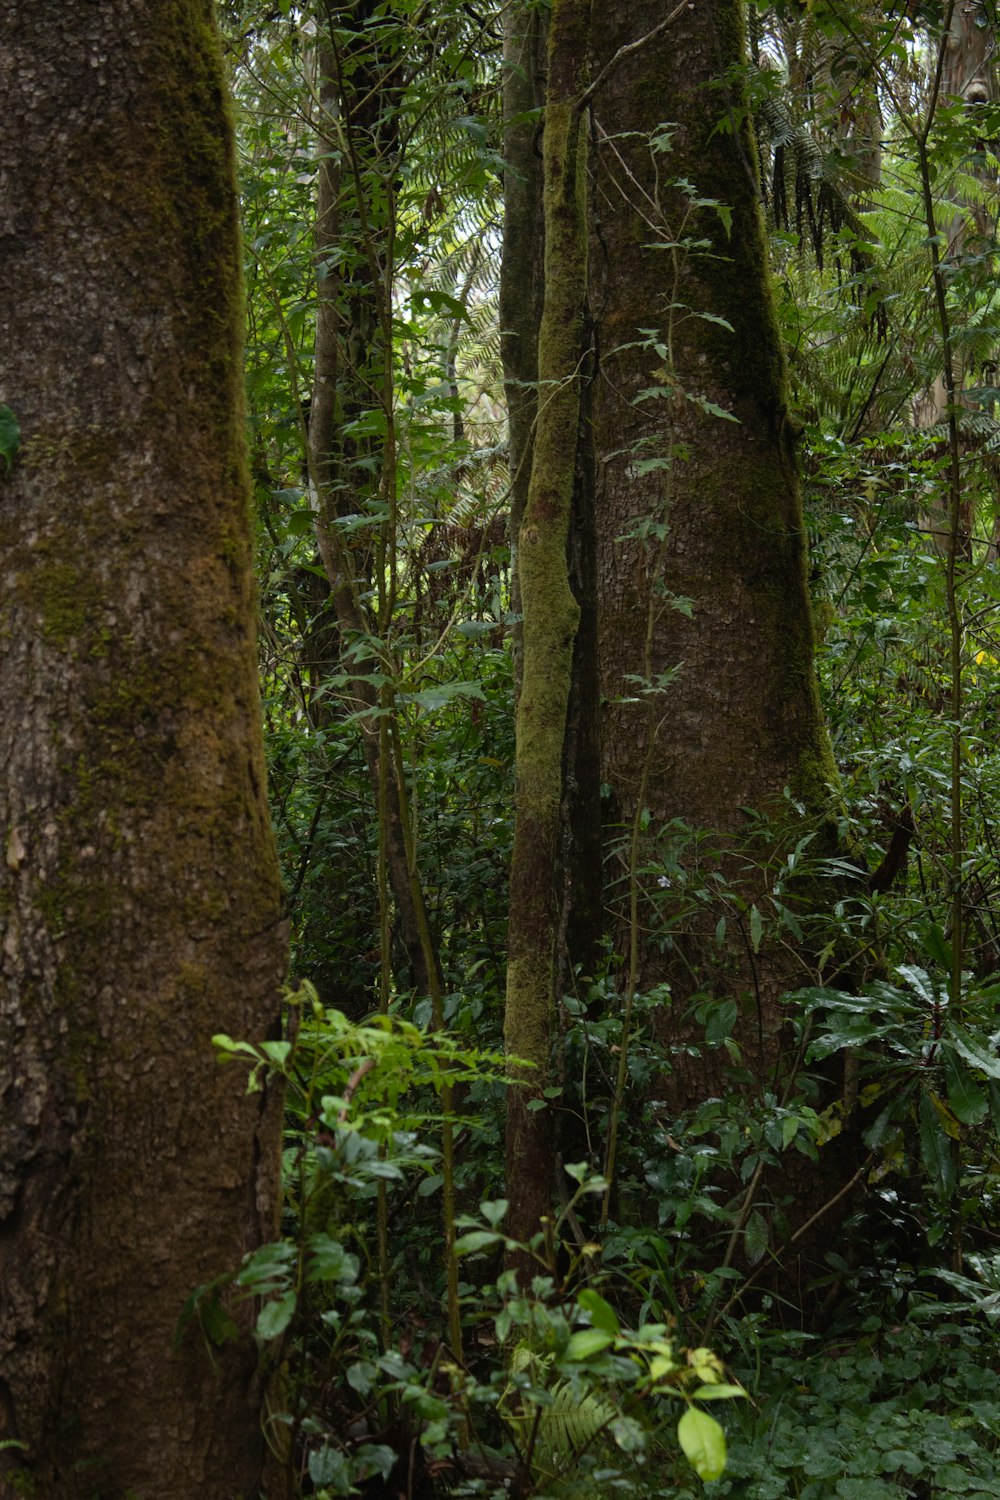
x,y
927,1081
606,1387
583,1399
582,1383
900,1411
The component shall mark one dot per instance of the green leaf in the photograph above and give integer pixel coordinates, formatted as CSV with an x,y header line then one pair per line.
x,y
703,1442
757,1237
967,1100
587,1341
278,1052
721,1021
440,302
717,1392
920,981
937,947
375,1458
228,1048
216,1323
711,409
756,929
442,694
993,1095
360,1376
791,921
301,523
384,1169
329,1467
329,1261
10,436
268,1267
205,1307
473,629
478,1239
726,215
974,1053
602,1314
493,1210
274,1317
935,1149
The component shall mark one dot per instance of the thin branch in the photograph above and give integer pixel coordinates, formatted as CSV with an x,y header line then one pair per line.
x,y
626,51
803,1229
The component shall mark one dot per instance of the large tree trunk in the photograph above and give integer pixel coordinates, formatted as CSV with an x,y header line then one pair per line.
x,y
711,708
139,898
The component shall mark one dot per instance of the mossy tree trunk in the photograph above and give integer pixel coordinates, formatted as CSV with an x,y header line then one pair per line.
x,y
139,895
711,707
551,616
522,284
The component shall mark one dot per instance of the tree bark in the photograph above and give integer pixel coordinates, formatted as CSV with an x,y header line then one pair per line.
x,y
522,286
522,267
551,617
967,77
711,708
139,894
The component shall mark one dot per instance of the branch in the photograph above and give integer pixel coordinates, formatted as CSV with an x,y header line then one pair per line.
x,y
626,51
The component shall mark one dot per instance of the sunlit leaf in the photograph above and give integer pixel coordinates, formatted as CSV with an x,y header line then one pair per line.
x,y
703,1443
587,1341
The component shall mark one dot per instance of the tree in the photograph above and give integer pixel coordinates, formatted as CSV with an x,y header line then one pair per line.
x,y
139,897
962,78
706,642
711,910
551,618
351,426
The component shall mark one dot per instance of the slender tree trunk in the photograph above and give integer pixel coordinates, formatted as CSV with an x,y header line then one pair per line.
x,y
967,77
551,617
139,898
359,99
581,923
522,285
522,272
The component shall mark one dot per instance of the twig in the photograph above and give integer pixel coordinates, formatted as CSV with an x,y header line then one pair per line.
x,y
803,1229
624,52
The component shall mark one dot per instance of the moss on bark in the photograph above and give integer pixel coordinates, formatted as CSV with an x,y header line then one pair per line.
x,y
139,899
550,618
740,722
